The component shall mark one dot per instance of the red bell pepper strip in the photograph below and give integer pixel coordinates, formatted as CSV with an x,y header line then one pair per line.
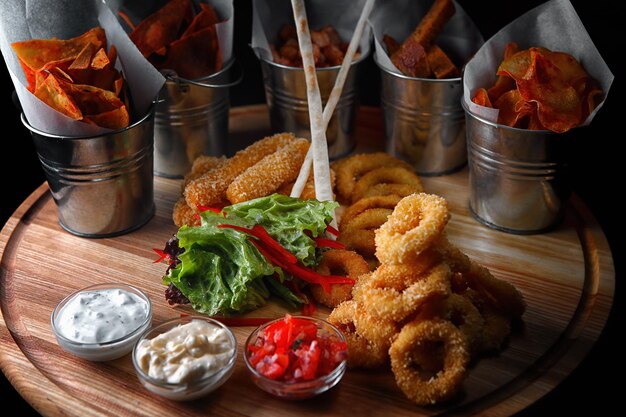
x,y
162,255
332,230
202,208
268,255
322,242
260,233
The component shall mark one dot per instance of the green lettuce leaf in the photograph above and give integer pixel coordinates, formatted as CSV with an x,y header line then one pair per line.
x,y
221,271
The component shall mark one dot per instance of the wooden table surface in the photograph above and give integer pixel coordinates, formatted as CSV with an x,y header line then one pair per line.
x,y
566,276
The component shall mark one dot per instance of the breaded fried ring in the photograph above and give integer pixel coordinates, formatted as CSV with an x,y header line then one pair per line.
x,y
396,291
361,352
463,314
496,330
183,214
388,202
210,189
388,189
351,169
416,222
267,175
339,262
384,175
377,331
502,295
358,233
201,165
418,335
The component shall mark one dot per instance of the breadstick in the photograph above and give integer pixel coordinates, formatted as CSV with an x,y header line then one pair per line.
x,y
321,168
335,94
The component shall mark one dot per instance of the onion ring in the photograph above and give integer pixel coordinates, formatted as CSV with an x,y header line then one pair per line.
x,y
351,169
384,175
343,263
358,233
389,189
396,291
501,295
417,221
419,335
463,314
361,352
388,202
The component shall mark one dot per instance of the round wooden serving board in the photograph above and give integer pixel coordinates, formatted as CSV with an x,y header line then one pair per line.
x,y
566,276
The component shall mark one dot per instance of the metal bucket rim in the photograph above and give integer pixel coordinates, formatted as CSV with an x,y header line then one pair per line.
x,y
333,68
149,113
505,127
176,78
406,77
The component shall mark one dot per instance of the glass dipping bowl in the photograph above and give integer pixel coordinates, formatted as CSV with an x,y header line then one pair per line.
x,y
191,390
297,390
104,351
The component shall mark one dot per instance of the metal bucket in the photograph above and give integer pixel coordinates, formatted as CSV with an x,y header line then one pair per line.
x,y
518,178
102,185
191,120
286,95
424,122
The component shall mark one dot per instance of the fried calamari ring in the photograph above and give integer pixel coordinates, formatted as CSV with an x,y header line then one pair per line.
x,y
397,291
501,295
388,202
351,169
210,189
343,263
358,233
361,352
184,215
267,175
379,332
389,189
384,175
463,314
201,165
416,222
496,328
420,336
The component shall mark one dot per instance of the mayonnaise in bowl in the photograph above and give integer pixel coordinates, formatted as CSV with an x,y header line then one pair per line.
x,y
101,322
185,358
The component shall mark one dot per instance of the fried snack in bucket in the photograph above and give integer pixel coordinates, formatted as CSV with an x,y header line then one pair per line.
x,y
540,89
172,38
76,77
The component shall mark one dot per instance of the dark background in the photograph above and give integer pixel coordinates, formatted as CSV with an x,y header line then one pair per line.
x,y
596,179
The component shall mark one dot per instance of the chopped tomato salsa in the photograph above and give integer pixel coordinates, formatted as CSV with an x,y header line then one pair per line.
x,y
294,350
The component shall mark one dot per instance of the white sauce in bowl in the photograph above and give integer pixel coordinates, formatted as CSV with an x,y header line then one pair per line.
x,y
99,316
185,353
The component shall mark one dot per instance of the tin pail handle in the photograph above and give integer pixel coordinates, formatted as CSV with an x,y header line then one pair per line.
x,y
235,68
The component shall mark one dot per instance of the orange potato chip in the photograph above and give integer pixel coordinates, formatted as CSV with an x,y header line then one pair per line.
x,y
482,98
51,93
37,53
115,119
195,55
204,19
541,89
76,77
559,106
161,28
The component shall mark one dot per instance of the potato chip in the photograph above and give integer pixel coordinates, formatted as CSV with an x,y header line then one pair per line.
x,y
540,89
35,54
76,77
173,39
162,27
482,98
